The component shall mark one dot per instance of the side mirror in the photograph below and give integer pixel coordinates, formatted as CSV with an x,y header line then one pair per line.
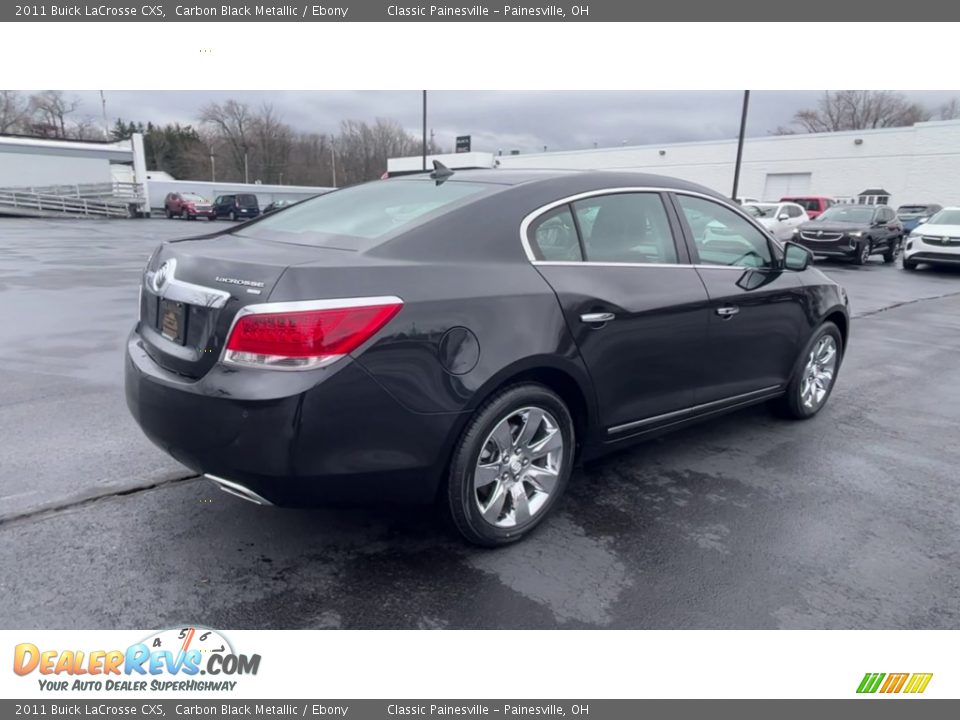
x,y
796,257
921,221
783,216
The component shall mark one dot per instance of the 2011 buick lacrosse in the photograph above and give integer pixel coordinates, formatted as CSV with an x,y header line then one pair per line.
x,y
469,336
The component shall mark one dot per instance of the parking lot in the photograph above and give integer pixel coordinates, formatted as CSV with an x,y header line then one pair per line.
x,y
849,520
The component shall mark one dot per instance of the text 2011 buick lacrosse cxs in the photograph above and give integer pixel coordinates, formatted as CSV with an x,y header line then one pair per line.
x,y
469,336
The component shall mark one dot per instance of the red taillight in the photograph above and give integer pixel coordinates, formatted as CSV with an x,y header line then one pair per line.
x,y
302,335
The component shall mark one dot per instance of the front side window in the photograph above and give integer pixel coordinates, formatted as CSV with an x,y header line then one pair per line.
x,y
553,236
794,211
625,228
724,237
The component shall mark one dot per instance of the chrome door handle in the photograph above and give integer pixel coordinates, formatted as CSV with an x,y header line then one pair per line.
x,y
728,312
597,317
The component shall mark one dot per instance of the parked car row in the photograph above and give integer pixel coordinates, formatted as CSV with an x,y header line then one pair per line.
x,y
190,206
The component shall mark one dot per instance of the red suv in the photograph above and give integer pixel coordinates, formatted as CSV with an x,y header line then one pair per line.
x,y
813,204
189,206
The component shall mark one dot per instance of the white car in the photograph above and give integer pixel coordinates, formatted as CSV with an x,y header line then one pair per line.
x,y
779,218
936,241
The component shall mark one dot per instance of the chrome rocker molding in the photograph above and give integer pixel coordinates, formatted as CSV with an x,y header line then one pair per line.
x,y
237,490
697,411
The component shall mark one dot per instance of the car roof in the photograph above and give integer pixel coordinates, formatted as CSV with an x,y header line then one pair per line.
x,y
585,179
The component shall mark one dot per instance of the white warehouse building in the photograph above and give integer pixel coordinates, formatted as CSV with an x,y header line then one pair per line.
x,y
918,164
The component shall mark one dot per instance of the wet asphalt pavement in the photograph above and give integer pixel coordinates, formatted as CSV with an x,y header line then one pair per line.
x,y
849,520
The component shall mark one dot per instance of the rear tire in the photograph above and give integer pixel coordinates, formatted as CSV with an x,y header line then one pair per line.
x,y
799,403
510,466
234,216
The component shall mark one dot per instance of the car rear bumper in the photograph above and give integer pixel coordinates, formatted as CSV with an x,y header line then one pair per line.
x,y
292,438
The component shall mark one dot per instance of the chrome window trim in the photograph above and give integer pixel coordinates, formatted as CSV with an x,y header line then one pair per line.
x,y
298,306
531,217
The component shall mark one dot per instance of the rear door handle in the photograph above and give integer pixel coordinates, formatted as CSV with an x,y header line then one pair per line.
x,y
597,317
728,311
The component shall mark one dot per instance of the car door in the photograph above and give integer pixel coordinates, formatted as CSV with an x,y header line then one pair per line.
x,y
758,318
635,307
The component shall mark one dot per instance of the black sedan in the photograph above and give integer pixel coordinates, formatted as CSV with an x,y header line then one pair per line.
x,y
469,337
853,232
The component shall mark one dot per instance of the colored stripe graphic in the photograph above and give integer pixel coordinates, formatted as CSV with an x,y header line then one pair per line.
x,y
918,682
894,682
870,682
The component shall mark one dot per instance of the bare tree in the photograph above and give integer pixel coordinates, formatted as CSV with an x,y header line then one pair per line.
x,y
49,111
272,140
231,123
859,110
949,110
13,111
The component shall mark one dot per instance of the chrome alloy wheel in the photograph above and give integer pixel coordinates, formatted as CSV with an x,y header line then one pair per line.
x,y
518,467
819,372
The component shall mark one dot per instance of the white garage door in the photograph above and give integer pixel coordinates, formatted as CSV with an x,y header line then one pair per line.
x,y
780,185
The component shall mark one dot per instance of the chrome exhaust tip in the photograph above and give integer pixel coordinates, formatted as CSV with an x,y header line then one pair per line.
x,y
237,490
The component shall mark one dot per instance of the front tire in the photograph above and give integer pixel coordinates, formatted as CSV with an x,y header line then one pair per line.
x,y
863,253
909,264
814,375
511,465
169,214
893,252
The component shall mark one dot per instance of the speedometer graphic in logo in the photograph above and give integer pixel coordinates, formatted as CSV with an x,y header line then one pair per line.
x,y
183,639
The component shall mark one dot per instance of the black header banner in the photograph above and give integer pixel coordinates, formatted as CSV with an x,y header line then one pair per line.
x,y
480,11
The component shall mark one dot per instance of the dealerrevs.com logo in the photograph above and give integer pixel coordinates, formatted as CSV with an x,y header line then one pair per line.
x,y
172,660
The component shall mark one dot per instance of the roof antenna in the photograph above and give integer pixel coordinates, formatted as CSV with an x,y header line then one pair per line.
x,y
440,172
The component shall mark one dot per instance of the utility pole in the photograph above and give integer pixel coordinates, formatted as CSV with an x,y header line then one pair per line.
x,y
424,129
246,168
213,167
103,108
333,163
743,129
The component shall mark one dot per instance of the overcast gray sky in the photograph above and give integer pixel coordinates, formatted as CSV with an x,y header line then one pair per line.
x,y
507,120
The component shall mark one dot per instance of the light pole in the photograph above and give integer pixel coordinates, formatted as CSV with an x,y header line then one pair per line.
x,y
743,129
213,167
246,168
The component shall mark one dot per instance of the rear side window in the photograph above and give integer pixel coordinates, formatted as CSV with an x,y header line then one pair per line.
x,y
247,200
368,211
722,236
553,236
626,228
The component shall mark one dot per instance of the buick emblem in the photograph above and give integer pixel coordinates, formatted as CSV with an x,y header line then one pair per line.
x,y
160,276
819,233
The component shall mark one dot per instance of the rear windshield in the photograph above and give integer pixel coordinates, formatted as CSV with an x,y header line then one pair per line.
x,y
246,200
192,197
912,209
847,213
805,203
368,211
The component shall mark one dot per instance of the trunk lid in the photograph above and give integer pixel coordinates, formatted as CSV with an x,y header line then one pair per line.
x,y
192,290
